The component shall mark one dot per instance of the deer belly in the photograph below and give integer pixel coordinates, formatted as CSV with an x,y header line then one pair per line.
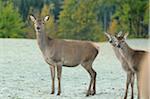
x,y
52,61
71,62
67,63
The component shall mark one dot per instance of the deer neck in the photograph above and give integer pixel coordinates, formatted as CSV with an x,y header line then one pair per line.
x,y
116,50
127,52
42,40
117,53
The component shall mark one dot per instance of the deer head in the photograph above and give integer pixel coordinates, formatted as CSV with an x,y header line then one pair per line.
x,y
39,23
112,39
120,42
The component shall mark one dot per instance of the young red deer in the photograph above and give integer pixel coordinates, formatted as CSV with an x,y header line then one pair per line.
x,y
58,53
124,63
133,57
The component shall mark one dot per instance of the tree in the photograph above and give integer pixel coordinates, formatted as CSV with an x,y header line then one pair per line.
x,y
113,27
50,25
78,20
105,10
130,14
146,16
25,5
11,24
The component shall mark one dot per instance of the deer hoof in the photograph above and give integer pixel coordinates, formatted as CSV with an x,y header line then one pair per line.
x,y
88,93
93,93
58,93
52,92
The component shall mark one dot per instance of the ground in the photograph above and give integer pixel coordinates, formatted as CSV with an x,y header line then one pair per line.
x,y
25,75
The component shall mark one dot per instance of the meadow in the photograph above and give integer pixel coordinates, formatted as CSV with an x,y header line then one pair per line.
x,y
25,75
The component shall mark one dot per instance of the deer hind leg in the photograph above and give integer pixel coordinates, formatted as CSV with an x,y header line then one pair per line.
x,y
52,69
94,83
129,75
132,86
92,74
59,71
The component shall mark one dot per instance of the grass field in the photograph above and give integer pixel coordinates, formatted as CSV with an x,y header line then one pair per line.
x,y
25,75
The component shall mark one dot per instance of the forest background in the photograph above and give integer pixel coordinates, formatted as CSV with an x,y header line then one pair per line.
x,y
75,19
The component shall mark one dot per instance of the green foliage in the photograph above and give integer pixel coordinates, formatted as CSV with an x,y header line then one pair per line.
x,y
25,5
11,24
131,16
78,20
50,25
146,15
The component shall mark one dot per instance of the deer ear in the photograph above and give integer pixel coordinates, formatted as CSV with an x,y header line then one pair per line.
x,y
32,18
107,34
46,18
119,34
126,35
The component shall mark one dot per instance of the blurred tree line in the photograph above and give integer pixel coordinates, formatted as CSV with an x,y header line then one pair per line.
x,y
75,19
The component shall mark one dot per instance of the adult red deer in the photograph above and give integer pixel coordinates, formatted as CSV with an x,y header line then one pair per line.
x,y
58,53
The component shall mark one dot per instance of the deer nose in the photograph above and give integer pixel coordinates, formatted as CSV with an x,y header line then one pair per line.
x,y
110,41
118,46
37,28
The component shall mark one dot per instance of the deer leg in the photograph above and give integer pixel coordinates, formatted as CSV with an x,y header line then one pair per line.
x,y
94,83
93,77
138,85
59,70
127,84
132,86
91,82
52,69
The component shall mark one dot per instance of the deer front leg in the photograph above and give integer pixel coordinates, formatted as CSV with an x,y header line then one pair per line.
x,y
52,69
127,84
138,85
59,71
132,86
